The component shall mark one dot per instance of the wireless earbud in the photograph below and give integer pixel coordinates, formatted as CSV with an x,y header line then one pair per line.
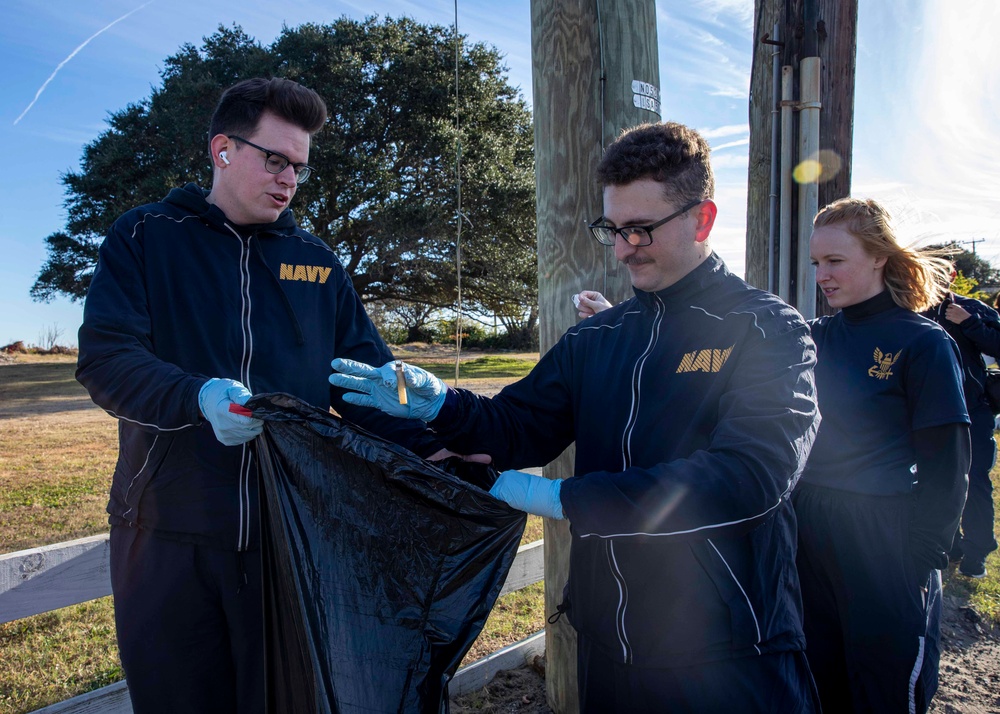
x,y
224,157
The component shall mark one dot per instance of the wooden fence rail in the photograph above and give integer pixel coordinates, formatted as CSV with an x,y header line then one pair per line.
x,y
53,576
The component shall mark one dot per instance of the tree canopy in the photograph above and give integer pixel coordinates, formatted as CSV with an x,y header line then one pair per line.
x,y
968,263
385,192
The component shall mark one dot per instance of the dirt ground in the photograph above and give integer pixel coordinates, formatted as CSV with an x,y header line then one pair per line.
x,y
520,690
970,663
969,674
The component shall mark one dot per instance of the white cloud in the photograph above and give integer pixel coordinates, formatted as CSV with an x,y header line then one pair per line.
x,y
725,12
731,144
927,134
728,130
704,53
730,161
958,101
877,187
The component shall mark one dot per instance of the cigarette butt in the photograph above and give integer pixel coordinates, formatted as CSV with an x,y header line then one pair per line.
x,y
400,382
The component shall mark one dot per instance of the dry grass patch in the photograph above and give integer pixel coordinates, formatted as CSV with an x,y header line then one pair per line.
x,y
55,471
57,451
514,617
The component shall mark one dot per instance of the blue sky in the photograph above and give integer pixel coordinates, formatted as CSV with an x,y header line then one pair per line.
x,y
927,119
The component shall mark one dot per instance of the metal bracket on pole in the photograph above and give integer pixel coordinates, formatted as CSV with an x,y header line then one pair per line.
x,y
797,106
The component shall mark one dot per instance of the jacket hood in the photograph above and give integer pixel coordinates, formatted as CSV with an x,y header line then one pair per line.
x,y
193,198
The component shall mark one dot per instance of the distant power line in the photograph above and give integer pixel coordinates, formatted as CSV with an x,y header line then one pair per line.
x,y
973,243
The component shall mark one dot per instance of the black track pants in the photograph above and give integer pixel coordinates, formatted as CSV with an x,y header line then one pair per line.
x,y
976,539
765,684
872,621
188,641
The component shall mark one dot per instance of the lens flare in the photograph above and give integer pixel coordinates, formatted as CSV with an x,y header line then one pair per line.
x,y
822,167
808,171
667,506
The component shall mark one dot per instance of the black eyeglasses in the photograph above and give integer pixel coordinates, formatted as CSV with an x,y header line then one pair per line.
x,y
275,163
634,235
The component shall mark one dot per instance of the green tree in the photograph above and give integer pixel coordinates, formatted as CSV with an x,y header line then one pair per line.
x,y
384,195
969,264
962,285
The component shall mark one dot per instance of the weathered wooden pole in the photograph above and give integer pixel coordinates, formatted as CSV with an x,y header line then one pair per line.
x,y
760,243
810,28
595,71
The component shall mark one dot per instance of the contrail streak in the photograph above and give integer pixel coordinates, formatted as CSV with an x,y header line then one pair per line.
x,y
72,55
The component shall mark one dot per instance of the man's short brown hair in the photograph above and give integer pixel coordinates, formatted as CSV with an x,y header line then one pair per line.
x,y
242,105
671,153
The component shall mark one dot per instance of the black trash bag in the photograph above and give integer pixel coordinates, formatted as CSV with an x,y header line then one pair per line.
x,y
379,567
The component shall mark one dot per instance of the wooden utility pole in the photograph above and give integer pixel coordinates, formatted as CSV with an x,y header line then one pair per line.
x,y
806,28
595,70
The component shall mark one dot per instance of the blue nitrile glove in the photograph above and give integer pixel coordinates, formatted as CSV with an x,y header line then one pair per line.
x,y
531,494
231,429
377,386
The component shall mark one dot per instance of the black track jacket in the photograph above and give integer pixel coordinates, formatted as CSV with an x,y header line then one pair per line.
x,y
693,410
978,335
181,295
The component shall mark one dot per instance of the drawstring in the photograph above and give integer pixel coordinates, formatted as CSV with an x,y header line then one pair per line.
x,y
242,580
561,609
281,291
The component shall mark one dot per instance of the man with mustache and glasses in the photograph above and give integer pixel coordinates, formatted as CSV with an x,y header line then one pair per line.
x,y
693,410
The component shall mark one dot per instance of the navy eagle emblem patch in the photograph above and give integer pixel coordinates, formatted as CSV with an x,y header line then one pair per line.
x,y
882,369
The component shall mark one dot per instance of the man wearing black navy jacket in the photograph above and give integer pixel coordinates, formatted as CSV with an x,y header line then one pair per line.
x,y
693,410
975,327
196,302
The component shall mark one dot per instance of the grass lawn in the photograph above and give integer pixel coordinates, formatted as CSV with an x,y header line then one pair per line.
x,y
57,453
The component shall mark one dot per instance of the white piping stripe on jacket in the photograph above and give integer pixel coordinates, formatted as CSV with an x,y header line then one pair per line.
x,y
754,316
144,464
245,461
244,306
690,530
745,596
245,312
614,326
153,426
159,215
622,604
633,416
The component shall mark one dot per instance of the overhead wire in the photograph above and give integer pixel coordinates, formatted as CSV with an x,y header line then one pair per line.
x,y
458,215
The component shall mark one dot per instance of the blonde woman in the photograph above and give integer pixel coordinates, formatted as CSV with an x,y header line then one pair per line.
x,y
884,486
